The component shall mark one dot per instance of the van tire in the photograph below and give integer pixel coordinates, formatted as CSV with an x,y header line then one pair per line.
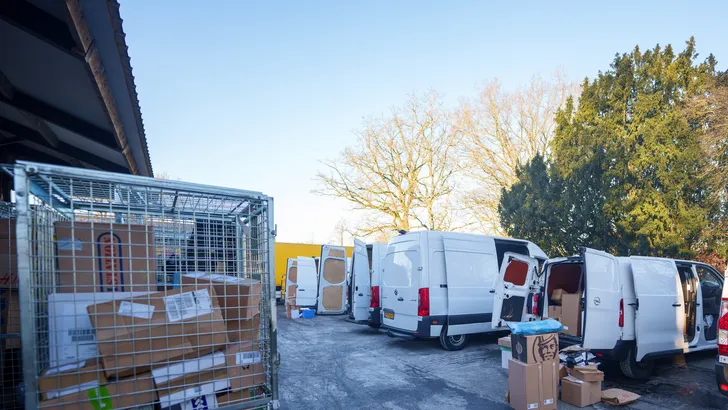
x,y
452,343
636,370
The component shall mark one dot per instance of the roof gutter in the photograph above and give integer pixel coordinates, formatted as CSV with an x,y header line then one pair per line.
x,y
93,59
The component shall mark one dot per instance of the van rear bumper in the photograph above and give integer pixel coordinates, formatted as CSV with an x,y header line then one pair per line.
x,y
423,327
619,353
375,317
721,376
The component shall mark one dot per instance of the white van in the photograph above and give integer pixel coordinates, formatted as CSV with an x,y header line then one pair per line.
x,y
438,284
364,298
628,309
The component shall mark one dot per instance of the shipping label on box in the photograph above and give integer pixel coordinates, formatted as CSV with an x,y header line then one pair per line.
x,y
105,257
535,348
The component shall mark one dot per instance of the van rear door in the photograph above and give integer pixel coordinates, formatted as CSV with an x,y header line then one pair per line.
x,y
470,268
660,322
512,288
332,280
400,286
601,300
291,280
307,284
360,286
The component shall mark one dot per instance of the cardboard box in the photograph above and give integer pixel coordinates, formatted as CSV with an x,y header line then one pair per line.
x,y
505,341
536,348
71,337
580,393
237,368
555,312
102,257
205,402
121,394
243,330
533,386
563,371
239,298
10,318
556,296
588,373
8,255
571,313
71,378
160,327
239,397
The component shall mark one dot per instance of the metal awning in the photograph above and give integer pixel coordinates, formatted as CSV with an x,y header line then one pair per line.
x,y
67,93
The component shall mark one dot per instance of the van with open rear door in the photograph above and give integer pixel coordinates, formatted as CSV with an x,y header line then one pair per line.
x,y
721,363
628,309
364,301
438,284
332,281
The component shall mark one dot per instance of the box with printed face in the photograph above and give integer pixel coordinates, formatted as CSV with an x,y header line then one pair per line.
x,y
161,327
535,348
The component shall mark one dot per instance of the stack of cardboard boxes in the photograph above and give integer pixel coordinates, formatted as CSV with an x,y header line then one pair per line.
x,y
583,386
533,372
116,343
566,308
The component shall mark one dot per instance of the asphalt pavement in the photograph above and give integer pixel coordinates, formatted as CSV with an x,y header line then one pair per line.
x,y
330,363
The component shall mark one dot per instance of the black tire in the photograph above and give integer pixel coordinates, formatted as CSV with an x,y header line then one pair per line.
x,y
452,343
636,370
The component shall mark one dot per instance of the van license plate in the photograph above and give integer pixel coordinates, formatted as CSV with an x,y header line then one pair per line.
x,y
723,359
389,315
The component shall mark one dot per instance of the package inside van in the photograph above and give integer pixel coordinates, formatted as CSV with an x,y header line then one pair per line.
x,y
565,287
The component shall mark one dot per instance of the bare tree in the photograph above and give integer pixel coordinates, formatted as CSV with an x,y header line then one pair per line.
x,y
401,170
501,130
340,232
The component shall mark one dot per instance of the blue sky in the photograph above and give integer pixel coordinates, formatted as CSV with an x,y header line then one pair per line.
x,y
253,94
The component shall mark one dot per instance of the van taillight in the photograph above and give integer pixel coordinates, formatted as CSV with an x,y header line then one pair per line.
x,y
423,306
621,312
375,297
723,329
534,304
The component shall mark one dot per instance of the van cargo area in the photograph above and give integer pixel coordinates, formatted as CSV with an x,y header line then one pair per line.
x,y
564,288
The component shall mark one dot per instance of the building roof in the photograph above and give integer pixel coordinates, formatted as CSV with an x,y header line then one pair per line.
x,y
67,92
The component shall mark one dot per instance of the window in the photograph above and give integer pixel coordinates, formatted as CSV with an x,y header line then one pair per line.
x,y
399,267
708,277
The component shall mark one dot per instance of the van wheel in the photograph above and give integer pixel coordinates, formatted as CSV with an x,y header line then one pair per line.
x,y
636,370
452,343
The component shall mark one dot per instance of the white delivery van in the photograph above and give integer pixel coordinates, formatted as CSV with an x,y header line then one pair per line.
x,y
628,309
438,284
364,299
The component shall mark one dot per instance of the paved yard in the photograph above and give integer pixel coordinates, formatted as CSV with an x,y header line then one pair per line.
x,y
329,363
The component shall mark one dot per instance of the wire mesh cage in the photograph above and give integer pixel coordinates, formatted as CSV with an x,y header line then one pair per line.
x,y
142,293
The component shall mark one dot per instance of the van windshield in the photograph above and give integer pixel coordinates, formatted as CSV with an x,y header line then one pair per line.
x,y
398,267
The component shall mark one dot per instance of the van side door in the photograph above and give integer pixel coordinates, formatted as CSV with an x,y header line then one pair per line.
x,y
514,284
660,322
360,285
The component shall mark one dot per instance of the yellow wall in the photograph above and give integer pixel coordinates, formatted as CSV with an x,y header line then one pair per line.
x,y
284,250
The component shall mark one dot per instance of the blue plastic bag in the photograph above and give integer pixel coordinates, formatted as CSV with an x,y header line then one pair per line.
x,y
537,327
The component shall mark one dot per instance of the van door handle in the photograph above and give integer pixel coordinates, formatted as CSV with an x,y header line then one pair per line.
x,y
361,294
677,304
492,291
401,299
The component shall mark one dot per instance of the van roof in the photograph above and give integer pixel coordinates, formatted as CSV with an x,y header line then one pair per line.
x,y
535,251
